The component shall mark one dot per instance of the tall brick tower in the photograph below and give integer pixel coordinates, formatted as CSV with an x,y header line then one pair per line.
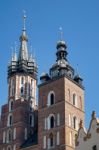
x,y
61,104
18,118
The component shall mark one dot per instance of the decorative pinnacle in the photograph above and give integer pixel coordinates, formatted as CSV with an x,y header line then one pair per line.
x,y
24,20
61,33
93,115
77,69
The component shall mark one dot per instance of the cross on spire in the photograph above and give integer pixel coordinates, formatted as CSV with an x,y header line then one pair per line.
x,y
61,33
24,20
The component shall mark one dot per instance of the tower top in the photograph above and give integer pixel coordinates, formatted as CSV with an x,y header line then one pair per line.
x,y
25,62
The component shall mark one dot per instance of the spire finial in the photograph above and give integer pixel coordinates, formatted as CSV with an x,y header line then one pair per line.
x,y
61,33
24,20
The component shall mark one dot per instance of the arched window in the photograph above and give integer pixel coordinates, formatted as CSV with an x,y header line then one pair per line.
x,y
22,91
75,123
94,147
9,135
10,120
31,120
22,80
9,148
51,98
52,122
51,140
74,99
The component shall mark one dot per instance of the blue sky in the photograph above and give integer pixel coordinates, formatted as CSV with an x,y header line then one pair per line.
x,y
80,22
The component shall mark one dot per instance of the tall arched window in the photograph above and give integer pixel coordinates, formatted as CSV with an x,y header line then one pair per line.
x,y
51,140
22,91
31,120
22,80
51,98
22,86
74,99
75,123
52,122
9,135
9,148
10,120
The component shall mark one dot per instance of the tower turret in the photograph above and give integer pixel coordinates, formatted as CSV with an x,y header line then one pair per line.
x,y
62,66
22,71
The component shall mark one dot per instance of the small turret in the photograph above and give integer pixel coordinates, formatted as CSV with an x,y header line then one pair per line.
x,y
61,67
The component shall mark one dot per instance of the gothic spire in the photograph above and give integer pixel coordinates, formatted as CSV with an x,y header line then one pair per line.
x,y
23,54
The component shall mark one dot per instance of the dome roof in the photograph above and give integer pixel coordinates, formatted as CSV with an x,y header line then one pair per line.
x,y
61,43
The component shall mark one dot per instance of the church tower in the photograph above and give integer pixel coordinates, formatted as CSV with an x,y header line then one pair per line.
x,y
19,115
61,104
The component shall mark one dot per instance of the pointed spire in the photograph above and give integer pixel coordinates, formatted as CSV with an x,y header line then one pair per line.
x,y
23,54
93,115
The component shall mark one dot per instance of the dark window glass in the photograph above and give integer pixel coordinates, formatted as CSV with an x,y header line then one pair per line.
x,y
74,99
22,80
10,120
21,91
11,105
74,122
94,147
52,122
51,140
52,99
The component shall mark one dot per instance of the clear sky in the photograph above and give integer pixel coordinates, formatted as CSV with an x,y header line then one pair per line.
x,y
80,22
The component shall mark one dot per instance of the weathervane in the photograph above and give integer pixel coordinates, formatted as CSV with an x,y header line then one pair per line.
x,y
61,33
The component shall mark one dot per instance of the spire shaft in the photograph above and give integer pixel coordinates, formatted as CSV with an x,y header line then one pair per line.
x,y
23,54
